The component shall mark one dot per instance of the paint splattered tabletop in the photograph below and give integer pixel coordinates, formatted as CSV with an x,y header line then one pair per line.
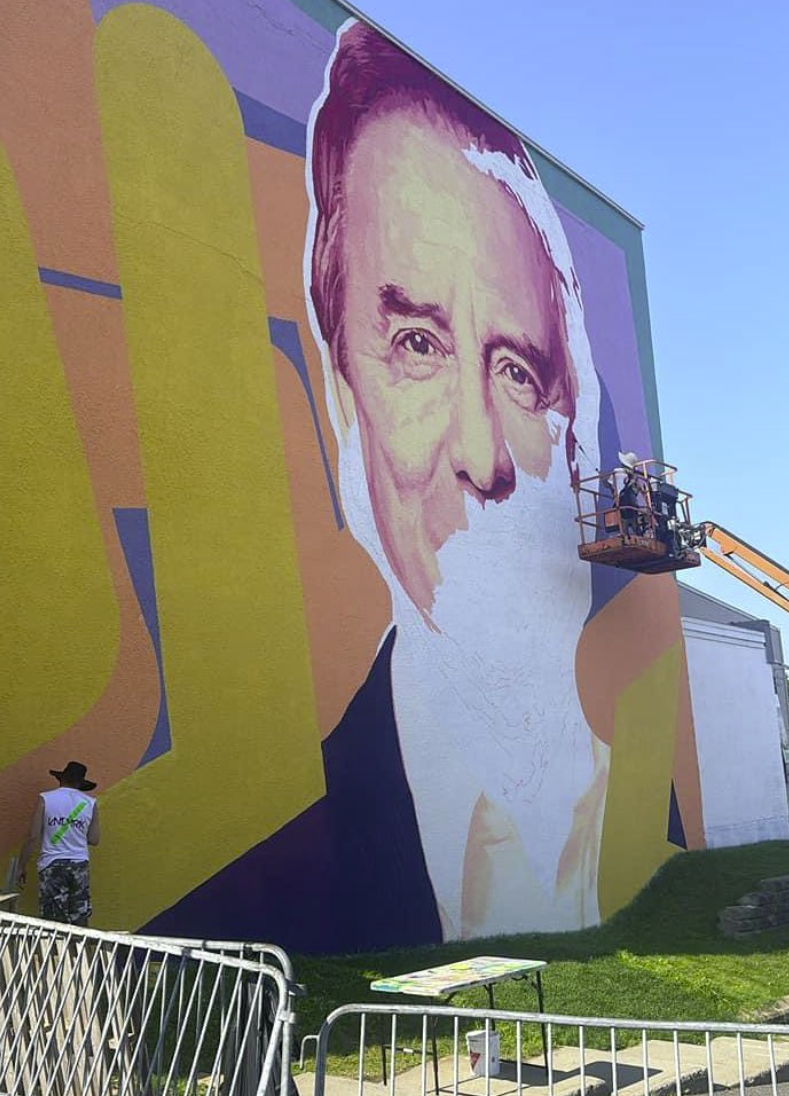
x,y
453,977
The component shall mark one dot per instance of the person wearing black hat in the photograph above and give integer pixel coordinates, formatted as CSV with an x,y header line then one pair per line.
x,y
65,824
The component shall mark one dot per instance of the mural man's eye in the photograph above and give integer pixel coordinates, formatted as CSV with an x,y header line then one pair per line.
x,y
419,353
520,385
419,343
517,373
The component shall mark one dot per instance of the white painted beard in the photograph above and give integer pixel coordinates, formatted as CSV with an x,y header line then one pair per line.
x,y
487,702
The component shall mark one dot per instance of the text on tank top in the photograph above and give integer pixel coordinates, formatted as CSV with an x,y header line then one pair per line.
x,y
67,816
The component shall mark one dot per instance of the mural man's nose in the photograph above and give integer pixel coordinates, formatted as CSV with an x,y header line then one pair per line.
x,y
479,455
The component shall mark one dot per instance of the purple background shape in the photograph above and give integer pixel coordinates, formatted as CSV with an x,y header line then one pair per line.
x,y
268,49
66,280
285,336
602,273
134,535
272,127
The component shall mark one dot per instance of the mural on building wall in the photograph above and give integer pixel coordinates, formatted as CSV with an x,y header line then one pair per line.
x,y
300,348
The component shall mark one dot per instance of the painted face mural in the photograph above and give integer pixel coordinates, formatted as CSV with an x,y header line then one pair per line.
x,y
452,344
301,349
460,374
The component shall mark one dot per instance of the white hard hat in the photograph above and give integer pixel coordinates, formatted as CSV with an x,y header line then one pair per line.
x,y
629,460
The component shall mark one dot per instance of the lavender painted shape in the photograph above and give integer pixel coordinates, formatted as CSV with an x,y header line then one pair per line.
x,y
66,280
602,273
608,311
268,49
265,124
285,336
133,533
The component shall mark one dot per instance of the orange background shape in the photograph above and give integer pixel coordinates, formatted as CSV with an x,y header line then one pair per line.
x,y
50,127
345,599
624,638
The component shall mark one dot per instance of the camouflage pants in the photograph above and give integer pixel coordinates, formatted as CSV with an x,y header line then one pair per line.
x,y
64,892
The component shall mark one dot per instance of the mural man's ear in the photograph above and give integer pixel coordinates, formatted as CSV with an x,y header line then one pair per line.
x,y
341,390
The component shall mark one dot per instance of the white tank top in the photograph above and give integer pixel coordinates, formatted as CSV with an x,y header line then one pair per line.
x,y
64,836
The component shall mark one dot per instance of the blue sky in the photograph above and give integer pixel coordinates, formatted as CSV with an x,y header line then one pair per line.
x,y
679,111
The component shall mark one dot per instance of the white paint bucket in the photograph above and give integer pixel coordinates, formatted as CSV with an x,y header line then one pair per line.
x,y
475,1043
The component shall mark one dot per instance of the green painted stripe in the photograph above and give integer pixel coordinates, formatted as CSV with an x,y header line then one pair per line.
x,y
61,832
325,12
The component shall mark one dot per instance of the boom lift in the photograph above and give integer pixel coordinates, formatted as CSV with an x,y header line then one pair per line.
x,y
741,560
635,517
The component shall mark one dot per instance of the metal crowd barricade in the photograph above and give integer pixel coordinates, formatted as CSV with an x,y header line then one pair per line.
x,y
113,1014
592,1056
263,953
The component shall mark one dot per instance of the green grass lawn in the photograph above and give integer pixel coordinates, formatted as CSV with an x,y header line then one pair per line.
x,y
662,958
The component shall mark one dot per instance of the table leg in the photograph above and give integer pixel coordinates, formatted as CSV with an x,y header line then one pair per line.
x,y
492,1003
542,1026
383,1048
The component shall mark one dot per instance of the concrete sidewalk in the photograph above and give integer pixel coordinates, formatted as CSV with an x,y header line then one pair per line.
x,y
599,1072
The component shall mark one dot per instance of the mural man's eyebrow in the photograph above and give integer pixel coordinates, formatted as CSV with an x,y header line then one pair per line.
x,y
545,364
396,302
551,366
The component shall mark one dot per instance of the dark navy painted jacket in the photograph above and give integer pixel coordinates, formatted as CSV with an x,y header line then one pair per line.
x,y
348,874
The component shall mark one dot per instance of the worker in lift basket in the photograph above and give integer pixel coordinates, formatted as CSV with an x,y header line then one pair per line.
x,y
65,823
629,496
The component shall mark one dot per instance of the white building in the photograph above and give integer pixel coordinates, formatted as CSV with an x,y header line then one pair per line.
x,y
741,717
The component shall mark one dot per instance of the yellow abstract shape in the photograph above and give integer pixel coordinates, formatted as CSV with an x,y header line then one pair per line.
x,y
635,825
60,633
245,757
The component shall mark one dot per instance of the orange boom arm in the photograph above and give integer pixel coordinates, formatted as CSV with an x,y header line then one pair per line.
x,y
741,559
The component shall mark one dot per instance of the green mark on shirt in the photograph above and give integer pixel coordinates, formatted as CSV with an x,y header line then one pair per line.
x,y
61,831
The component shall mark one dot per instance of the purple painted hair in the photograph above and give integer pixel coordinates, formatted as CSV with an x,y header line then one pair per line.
x,y
370,75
